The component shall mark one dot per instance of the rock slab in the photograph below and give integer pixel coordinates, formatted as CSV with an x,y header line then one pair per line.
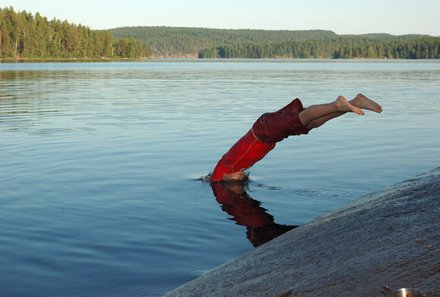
x,y
390,238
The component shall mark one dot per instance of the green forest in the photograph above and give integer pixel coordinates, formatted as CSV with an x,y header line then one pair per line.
x,y
222,43
338,48
24,36
27,36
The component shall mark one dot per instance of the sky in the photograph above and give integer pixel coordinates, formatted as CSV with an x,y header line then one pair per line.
x,y
341,16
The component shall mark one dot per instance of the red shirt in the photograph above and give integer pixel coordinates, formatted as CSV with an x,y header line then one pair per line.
x,y
261,139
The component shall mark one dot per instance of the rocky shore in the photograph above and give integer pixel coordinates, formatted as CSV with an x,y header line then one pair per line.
x,y
389,238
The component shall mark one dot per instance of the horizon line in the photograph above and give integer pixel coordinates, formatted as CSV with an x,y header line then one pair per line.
x,y
210,28
254,29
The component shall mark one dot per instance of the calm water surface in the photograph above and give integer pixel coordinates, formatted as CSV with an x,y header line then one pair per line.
x,y
99,164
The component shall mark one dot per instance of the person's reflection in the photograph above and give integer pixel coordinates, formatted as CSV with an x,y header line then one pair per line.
x,y
247,212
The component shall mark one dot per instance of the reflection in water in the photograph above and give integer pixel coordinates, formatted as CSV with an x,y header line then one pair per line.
x,y
247,212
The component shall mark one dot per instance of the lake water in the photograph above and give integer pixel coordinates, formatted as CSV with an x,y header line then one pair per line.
x,y
100,164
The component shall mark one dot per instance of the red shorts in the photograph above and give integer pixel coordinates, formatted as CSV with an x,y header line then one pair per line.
x,y
261,139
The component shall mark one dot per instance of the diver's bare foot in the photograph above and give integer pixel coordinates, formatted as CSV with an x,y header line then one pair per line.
x,y
344,105
363,102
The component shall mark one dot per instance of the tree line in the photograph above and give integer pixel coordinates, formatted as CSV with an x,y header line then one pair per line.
x,y
222,43
27,36
188,42
24,35
338,48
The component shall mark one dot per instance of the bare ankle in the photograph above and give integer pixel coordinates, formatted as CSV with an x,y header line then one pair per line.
x,y
345,106
341,104
361,101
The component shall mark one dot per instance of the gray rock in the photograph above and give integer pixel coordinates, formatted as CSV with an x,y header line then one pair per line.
x,y
390,238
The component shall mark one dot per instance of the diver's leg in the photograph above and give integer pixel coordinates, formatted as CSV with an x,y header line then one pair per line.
x,y
360,102
339,106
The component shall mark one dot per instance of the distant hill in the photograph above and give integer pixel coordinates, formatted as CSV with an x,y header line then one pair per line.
x,y
383,36
227,43
24,36
172,41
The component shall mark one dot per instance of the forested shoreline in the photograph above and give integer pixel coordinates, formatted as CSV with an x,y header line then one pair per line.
x,y
28,37
255,44
338,48
25,36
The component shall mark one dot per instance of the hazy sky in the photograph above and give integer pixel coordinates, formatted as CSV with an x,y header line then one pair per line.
x,y
340,16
